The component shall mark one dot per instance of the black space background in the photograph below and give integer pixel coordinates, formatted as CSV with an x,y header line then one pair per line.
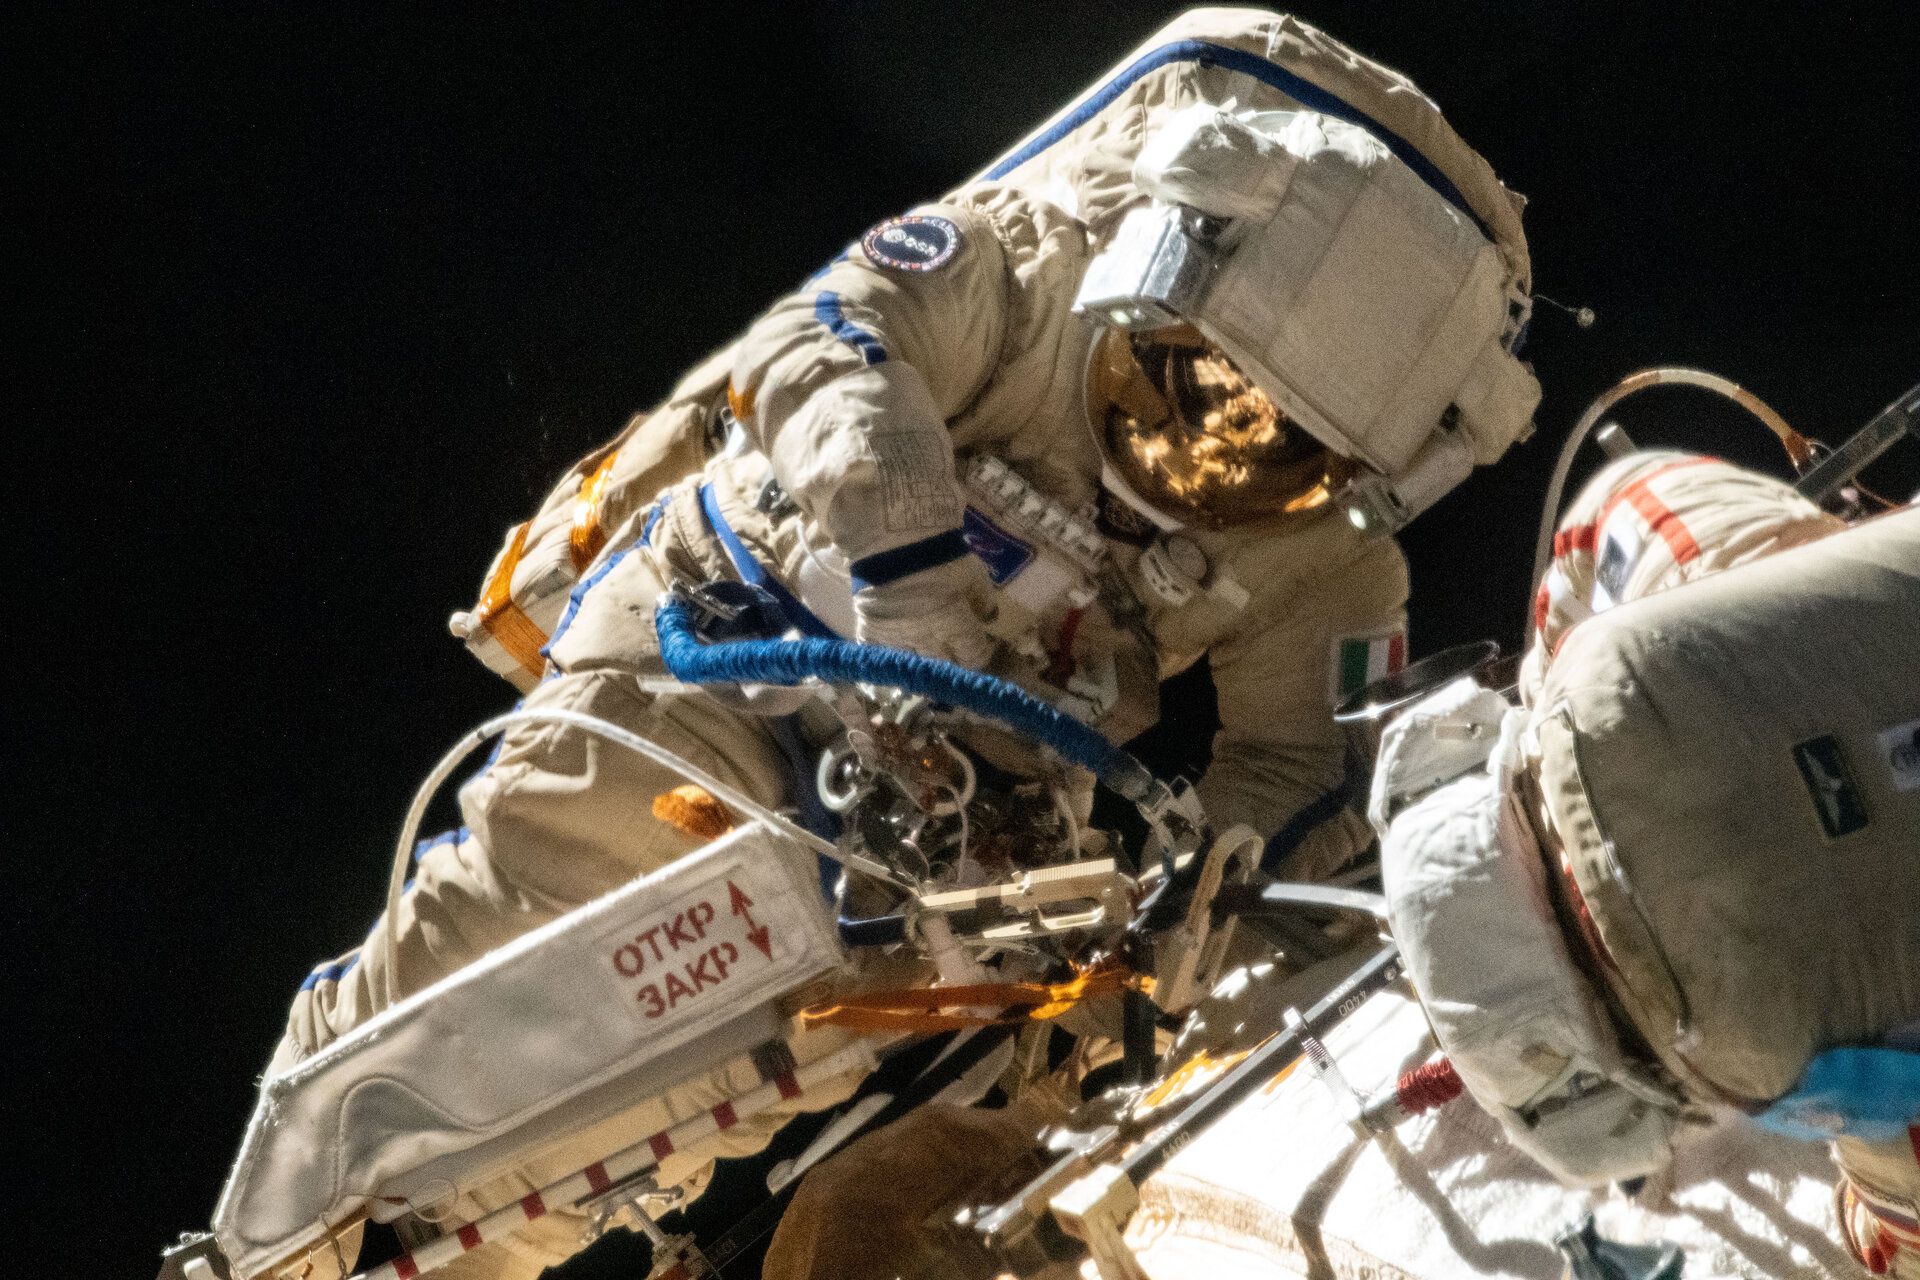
x,y
319,299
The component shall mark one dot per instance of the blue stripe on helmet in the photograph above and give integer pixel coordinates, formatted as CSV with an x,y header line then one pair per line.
x,y
1304,92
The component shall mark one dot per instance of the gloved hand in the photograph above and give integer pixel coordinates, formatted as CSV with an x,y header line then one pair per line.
x,y
931,612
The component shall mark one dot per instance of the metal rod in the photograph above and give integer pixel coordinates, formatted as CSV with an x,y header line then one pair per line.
x,y
1247,900
1259,1067
1868,443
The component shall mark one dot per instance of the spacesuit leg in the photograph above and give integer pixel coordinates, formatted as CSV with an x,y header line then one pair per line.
x,y
557,818
568,816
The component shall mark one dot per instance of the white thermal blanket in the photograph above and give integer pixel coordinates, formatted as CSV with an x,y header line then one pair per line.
x,y
1282,1187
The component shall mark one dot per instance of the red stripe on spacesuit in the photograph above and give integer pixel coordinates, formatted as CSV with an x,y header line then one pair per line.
x,y
1672,530
1396,652
1579,538
533,1206
1586,537
405,1267
724,1117
597,1177
788,1084
469,1236
662,1145
1652,510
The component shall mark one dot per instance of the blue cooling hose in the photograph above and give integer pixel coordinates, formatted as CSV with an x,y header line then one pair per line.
x,y
789,662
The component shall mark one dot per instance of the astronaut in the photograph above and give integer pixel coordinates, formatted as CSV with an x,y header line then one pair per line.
x,y
1683,880
1148,389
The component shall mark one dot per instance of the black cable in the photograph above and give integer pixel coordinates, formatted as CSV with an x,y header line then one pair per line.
x,y
929,1081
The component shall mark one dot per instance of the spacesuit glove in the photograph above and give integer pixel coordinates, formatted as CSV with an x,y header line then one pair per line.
x,y
932,612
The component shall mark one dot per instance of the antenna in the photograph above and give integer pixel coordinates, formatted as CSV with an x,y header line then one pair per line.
x,y
1582,316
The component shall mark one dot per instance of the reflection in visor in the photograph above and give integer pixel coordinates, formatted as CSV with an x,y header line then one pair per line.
x,y
1194,436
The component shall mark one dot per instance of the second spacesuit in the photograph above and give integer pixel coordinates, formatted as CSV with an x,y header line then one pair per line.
x,y
1681,874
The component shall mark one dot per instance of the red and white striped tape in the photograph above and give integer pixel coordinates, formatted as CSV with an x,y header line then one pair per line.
x,y
638,1158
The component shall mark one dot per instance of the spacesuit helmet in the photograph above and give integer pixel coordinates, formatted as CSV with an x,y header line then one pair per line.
x,y
1291,277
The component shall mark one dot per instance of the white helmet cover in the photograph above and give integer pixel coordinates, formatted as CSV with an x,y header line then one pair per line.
x,y
1361,297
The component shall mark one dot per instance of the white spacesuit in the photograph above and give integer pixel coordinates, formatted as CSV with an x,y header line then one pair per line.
x,y
1682,874
1131,397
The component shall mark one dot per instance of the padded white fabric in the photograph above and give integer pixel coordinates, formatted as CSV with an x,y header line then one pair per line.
x,y
1466,895
1364,303
1746,934
555,1014
1282,1188
1217,163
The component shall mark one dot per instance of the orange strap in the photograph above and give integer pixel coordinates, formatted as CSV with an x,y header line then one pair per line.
x,y
504,620
587,536
919,1008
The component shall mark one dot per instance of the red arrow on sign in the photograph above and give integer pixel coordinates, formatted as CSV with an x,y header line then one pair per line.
x,y
757,934
740,902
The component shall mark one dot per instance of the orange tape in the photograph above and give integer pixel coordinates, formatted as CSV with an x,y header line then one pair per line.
x,y
587,536
919,1008
739,402
504,620
1201,1068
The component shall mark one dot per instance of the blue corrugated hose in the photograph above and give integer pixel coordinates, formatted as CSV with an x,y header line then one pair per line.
x,y
789,662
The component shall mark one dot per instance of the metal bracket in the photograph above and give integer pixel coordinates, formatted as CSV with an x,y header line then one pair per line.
x,y
1591,1258
1095,1210
196,1256
676,1257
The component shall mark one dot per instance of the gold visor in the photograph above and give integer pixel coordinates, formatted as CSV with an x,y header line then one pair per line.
x,y
1196,438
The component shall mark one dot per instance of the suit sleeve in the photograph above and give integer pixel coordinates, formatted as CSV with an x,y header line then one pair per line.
x,y
847,384
1279,760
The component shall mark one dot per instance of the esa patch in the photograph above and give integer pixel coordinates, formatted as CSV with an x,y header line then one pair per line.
x,y
917,242
1835,797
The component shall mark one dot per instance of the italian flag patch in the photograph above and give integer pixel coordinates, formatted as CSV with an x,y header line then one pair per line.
x,y
1360,660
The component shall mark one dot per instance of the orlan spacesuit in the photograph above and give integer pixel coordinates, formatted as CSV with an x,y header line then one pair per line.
x,y
1133,396
1682,874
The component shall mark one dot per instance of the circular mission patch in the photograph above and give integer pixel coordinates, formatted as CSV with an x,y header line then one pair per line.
x,y
917,242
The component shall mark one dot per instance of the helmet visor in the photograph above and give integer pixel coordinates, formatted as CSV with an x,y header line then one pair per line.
x,y
1194,436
